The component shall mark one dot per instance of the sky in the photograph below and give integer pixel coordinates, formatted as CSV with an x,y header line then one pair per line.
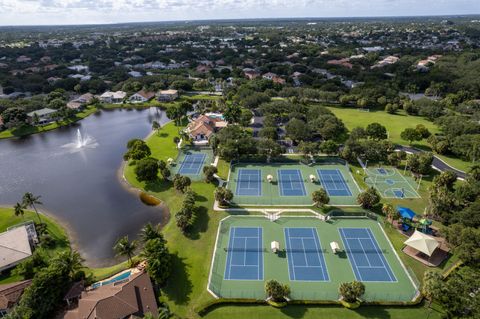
x,y
48,12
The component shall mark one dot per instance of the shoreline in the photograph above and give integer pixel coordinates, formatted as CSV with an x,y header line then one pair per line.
x,y
97,109
71,234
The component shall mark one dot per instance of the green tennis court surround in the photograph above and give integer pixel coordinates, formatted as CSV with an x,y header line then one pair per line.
x,y
191,160
390,183
243,258
290,183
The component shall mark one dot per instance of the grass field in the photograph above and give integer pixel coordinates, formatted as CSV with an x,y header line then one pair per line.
x,y
28,130
395,124
271,193
275,266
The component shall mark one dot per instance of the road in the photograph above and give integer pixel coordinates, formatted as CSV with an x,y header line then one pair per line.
x,y
437,163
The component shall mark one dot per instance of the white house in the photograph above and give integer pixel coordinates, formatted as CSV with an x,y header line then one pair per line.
x,y
14,247
141,97
113,97
44,115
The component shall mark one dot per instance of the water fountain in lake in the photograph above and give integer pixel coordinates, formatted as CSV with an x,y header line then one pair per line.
x,y
82,141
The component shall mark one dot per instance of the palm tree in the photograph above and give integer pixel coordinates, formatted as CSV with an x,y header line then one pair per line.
x,y
19,209
124,247
156,126
71,260
30,200
150,231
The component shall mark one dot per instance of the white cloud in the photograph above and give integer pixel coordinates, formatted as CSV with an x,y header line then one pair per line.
x,y
108,11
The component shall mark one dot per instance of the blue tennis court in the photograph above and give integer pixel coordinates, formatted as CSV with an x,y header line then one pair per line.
x,y
245,254
249,182
192,164
305,256
365,256
291,182
333,182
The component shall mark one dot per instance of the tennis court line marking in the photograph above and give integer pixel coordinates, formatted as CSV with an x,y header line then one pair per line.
x,y
190,165
342,182
320,257
325,277
259,255
418,195
352,261
381,256
379,253
242,178
283,183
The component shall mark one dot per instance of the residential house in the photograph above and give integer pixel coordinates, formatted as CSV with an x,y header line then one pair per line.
x,y
341,62
113,97
424,65
10,295
141,97
273,77
44,115
201,128
203,68
386,61
132,297
250,73
15,246
81,101
167,95
23,58
135,74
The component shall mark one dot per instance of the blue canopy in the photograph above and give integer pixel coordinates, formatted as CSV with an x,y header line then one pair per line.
x,y
406,212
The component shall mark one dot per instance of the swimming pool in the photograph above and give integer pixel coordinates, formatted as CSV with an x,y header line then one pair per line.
x,y
120,277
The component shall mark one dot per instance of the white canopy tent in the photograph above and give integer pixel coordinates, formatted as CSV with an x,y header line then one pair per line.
x,y
422,242
269,178
312,178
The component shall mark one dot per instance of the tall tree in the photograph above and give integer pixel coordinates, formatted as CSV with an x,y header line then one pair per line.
x,y
19,209
31,200
124,247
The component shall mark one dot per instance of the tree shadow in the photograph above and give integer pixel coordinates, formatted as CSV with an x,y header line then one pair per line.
x,y
294,311
200,198
179,286
201,223
158,186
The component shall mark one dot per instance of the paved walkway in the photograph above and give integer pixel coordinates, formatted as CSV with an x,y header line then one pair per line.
x,y
437,164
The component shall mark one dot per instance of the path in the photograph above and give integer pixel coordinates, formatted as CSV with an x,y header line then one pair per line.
x,y
438,164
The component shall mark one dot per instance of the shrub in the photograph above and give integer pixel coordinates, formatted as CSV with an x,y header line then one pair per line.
x,y
276,290
351,291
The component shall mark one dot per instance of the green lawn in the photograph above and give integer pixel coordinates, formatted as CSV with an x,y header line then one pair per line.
x,y
28,130
223,169
315,312
395,124
58,234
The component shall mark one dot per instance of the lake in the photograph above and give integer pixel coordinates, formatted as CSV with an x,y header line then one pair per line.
x,y
80,187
